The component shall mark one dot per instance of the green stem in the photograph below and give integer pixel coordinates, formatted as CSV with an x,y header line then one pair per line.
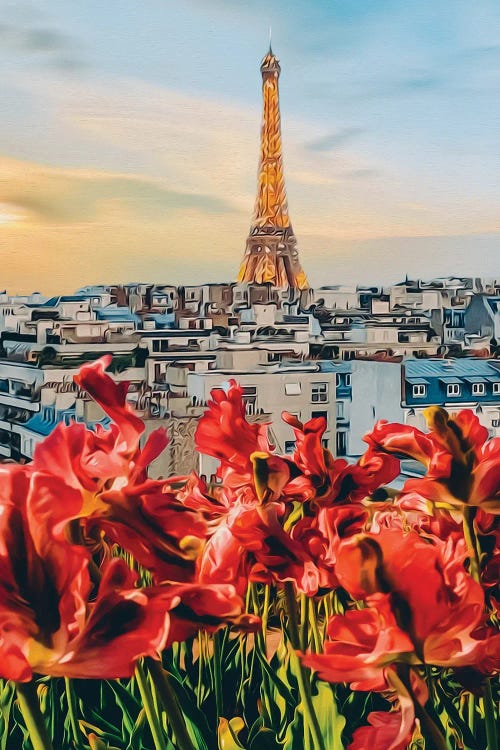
x,y
471,714
260,643
313,619
310,717
303,623
149,708
30,709
489,718
265,609
434,739
200,668
170,704
218,674
72,713
471,540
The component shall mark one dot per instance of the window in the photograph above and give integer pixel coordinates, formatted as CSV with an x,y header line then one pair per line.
x,y
419,390
496,387
478,389
249,398
340,409
348,379
338,381
319,393
324,443
453,389
289,446
319,414
341,443
292,389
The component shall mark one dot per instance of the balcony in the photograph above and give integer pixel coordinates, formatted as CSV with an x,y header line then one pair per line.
x,y
21,402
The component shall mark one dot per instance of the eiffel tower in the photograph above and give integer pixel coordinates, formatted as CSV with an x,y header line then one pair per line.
x,y
271,254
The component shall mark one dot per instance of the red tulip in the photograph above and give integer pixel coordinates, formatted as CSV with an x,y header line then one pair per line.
x,y
325,479
439,609
48,623
224,433
102,477
362,645
462,467
387,730
205,606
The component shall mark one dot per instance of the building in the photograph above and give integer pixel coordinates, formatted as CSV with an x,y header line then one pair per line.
x,y
454,384
304,389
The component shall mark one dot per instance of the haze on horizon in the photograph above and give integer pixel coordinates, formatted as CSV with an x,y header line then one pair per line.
x,y
129,138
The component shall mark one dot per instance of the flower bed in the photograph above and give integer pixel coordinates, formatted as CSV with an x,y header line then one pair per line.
x,y
296,602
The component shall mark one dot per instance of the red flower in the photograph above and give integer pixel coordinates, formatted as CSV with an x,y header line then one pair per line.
x,y
440,608
462,468
102,477
47,623
325,479
362,645
224,433
205,606
387,730
275,556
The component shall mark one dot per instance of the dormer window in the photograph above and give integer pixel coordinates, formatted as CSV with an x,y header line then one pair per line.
x,y
419,390
453,389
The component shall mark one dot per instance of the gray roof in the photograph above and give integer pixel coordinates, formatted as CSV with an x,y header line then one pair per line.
x,y
462,368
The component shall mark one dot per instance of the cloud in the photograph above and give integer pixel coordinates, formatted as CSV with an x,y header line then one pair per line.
x,y
361,174
33,34
61,228
334,140
72,196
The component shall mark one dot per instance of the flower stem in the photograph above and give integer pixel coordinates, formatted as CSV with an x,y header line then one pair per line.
x,y
469,514
310,717
201,659
72,713
218,674
489,718
432,734
149,708
30,709
313,619
170,704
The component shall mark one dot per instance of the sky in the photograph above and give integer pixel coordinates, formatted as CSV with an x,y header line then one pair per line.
x,y
129,138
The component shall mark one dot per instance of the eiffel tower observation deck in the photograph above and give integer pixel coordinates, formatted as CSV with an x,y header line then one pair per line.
x,y
271,254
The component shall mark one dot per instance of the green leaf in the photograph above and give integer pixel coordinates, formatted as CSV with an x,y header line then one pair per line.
x,y
331,721
262,738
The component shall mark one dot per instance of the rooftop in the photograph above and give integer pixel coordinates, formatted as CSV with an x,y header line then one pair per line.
x,y
466,367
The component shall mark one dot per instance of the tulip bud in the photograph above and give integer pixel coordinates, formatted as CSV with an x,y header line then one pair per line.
x,y
42,690
191,546
360,567
447,432
96,743
270,474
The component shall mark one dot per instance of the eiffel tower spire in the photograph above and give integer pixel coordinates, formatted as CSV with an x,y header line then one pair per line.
x,y
271,254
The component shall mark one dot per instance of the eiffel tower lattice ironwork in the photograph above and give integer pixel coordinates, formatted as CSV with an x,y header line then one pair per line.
x,y
271,254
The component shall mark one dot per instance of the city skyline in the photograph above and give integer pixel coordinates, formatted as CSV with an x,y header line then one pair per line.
x,y
129,143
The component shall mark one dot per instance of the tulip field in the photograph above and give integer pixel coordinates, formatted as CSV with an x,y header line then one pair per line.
x,y
296,601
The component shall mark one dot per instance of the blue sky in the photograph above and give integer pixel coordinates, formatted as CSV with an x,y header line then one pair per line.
x,y
129,138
